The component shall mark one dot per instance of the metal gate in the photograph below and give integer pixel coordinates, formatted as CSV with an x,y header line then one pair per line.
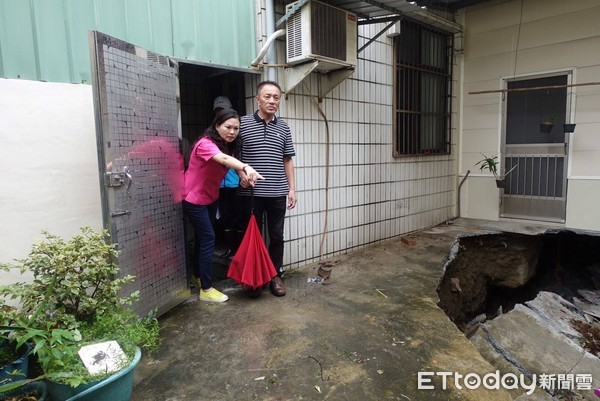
x,y
141,167
536,187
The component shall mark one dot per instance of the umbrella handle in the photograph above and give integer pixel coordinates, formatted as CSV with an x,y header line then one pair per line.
x,y
251,200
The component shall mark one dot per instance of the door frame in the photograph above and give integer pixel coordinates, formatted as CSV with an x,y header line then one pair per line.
x,y
569,116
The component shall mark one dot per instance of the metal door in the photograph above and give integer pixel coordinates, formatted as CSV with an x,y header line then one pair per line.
x,y
536,188
141,167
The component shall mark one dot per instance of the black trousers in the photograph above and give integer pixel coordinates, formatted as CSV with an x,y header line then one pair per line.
x,y
269,212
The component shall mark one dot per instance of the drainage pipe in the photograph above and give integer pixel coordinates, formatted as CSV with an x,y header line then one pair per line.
x,y
270,72
265,48
460,185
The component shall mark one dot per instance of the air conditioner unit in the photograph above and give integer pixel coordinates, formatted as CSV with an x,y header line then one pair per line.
x,y
318,31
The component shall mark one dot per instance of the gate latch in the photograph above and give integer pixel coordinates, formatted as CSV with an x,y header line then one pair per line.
x,y
116,179
113,180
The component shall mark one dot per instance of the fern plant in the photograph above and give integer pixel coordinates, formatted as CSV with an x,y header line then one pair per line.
x,y
490,163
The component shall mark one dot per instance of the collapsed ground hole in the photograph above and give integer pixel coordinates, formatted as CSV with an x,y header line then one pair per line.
x,y
487,275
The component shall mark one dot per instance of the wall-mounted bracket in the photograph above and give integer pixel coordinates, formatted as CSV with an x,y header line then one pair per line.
x,y
292,76
327,80
332,79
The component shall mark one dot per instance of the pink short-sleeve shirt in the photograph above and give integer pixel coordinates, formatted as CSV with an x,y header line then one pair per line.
x,y
204,175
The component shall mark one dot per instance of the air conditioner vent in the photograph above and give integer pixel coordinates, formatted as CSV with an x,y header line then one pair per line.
x,y
318,31
328,34
294,35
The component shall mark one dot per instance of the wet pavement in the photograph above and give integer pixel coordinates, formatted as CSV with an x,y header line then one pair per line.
x,y
369,332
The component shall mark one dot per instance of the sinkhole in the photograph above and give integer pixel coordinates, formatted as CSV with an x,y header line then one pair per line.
x,y
486,275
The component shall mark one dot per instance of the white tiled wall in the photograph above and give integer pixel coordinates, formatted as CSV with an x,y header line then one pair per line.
x,y
370,196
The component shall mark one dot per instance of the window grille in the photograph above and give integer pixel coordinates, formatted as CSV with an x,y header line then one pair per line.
x,y
423,90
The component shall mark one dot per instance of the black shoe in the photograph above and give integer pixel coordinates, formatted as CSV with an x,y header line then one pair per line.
x,y
226,254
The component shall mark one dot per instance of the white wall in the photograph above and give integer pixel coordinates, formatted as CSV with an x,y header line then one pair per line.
x,y
554,35
583,213
49,167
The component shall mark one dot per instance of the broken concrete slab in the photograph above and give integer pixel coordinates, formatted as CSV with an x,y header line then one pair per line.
x,y
534,397
533,345
557,312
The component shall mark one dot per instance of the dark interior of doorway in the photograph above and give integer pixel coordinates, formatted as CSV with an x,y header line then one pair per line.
x,y
199,85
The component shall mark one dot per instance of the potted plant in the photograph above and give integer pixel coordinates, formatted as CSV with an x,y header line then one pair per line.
x,y
14,366
491,164
74,300
14,361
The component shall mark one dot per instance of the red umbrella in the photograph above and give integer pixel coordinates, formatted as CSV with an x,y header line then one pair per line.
x,y
252,266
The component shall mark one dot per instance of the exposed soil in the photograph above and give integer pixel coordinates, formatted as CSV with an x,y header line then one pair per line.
x,y
590,334
23,397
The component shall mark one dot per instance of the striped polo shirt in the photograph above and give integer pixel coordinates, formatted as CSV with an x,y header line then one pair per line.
x,y
264,147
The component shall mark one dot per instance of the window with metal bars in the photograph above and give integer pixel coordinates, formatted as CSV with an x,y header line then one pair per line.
x,y
423,90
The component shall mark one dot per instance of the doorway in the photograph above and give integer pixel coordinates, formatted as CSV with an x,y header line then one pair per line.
x,y
535,148
148,108
199,85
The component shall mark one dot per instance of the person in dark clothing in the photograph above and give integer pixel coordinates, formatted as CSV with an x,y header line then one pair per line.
x,y
228,214
267,145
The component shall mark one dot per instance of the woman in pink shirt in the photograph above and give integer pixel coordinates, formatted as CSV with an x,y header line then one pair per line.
x,y
210,159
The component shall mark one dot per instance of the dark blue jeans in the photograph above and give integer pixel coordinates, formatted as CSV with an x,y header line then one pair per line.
x,y
273,211
202,219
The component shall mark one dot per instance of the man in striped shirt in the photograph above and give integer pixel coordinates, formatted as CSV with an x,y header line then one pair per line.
x,y
268,147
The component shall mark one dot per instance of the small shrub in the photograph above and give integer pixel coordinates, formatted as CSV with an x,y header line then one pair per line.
x,y
74,300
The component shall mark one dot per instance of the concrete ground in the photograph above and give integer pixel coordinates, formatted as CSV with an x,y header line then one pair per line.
x,y
368,333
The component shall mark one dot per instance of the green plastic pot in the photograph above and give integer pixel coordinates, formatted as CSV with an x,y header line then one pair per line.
x,y
117,387
21,365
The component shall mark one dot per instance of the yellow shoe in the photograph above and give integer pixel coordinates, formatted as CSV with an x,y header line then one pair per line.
x,y
213,295
195,282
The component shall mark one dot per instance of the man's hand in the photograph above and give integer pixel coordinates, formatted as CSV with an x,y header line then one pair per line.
x,y
292,199
244,180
